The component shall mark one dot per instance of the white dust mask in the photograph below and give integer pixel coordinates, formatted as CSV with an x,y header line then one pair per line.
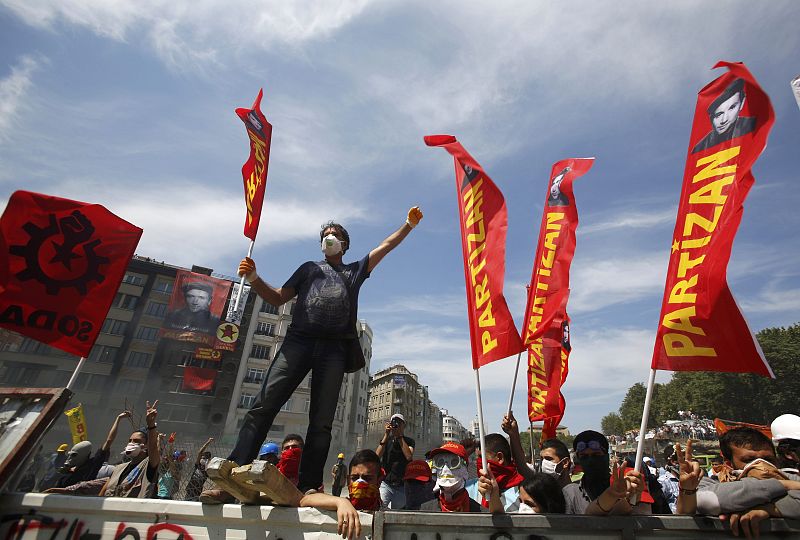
x,y
133,449
450,482
550,467
331,245
525,509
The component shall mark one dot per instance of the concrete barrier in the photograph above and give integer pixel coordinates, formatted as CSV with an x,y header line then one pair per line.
x,y
61,517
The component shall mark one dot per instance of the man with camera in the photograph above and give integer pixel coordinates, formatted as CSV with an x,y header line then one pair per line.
x,y
395,451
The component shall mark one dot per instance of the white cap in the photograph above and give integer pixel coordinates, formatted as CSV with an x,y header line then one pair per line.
x,y
647,459
786,426
398,416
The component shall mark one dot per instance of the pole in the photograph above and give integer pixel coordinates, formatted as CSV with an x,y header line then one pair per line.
x,y
513,385
637,466
481,431
530,432
74,376
241,282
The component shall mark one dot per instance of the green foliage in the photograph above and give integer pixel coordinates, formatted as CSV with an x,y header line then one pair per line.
x,y
742,397
612,424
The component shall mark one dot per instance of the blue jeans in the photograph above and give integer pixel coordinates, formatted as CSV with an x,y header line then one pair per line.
x,y
298,355
393,497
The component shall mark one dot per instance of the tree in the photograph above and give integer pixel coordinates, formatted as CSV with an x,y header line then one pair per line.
x,y
612,424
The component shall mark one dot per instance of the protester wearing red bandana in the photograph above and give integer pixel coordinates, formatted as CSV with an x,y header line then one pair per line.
x,y
503,469
450,465
364,480
291,453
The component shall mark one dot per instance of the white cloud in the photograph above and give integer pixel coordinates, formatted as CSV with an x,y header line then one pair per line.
x,y
13,90
632,220
773,299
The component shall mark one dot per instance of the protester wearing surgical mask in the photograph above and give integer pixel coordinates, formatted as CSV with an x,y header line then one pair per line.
x,y
195,485
323,338
755,490
603,490
138,477
541,494
450,465
81,465
556,461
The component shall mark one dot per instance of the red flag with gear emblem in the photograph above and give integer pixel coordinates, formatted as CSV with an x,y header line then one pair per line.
x,y
62,264
701,327
254,170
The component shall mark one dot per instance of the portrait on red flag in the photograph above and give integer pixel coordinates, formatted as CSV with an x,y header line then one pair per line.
x,y
195,307
62,262
725,116
556,197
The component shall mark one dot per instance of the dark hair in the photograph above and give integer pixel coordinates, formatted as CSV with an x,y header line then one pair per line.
x,y
736,87
199,286
339,229
497,443
743,437
143,431
293,437
365,456
561,449
544,489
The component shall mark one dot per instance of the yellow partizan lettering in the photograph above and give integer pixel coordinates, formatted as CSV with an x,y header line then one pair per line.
x,y
680,319
474,270
478,237
705,224
678,294
711,193
487,343
469,195
552,217
477,251
714,161
680,345
695,243
482,292
486,318
475,213
685,263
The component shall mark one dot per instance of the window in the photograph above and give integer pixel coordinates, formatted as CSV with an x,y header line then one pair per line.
x,y
156,309
265,329
276,428
133,279
147,333
266,307
246,401
125,301
97,382
35,347
139,359
164,286
306,405
260,351
103,354
287,406
20,375
255,375
113,326
128,386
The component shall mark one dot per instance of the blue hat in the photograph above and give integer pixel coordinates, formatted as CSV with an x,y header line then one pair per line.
x,y
268,448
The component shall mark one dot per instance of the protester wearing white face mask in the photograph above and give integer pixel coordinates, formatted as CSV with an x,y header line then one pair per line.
x,y
541,494
139,476
450,464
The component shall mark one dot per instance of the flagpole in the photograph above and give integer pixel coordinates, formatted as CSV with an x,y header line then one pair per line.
x,y
530,432
74,376
637,466
241,282
481,432
514,385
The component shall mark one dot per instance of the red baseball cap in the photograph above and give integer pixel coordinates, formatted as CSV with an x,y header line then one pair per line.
x,y
453,448
417,470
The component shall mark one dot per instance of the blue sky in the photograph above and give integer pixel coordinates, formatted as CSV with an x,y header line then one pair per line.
x,y
130,104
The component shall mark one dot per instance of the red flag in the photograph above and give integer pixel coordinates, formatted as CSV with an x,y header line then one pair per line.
x,y
547,323
482,212
62,263
701,327
254,171
195,378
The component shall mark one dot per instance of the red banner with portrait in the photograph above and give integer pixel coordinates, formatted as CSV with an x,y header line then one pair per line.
x,y
61,263
546,331
199,379
195,308
254,170
701,327
483,224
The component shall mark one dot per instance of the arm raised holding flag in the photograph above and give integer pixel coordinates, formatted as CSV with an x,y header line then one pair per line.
x,y
323,338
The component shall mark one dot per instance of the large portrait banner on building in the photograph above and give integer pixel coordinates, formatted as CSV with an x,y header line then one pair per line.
x,y
195,308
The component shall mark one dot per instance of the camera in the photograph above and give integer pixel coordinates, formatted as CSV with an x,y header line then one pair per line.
x,y
394,422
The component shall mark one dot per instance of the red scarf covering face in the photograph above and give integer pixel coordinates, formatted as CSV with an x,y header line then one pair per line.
x,y
289,464
364,496
459,502
506,475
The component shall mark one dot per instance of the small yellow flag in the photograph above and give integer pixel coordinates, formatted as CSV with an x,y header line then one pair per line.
x,y
77,424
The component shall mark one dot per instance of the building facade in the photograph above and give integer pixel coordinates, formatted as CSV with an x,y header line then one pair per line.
x,y
452,429
397,390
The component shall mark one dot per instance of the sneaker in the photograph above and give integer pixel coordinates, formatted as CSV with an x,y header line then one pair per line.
x,y
216,496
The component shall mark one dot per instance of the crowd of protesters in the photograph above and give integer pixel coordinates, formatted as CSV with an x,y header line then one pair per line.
x,y
687,426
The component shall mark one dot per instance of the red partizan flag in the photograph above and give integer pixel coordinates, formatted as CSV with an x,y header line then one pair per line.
x,y
254,171
482,212
547,323
195,378
62,262
701,327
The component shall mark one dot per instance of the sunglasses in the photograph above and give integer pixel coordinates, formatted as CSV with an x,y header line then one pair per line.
x,y
451,460
591,445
